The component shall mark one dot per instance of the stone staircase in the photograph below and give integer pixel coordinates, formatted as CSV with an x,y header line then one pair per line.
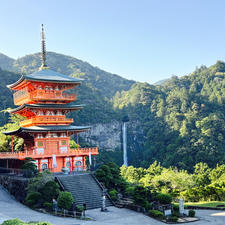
x,y
84,188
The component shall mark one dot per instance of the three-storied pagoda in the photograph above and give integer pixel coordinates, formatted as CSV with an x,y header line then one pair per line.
x,y
46,131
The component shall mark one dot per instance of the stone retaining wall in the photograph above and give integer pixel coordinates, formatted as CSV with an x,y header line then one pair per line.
x,y
16,186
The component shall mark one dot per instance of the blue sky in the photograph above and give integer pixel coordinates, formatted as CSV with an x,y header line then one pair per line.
x,y
143,40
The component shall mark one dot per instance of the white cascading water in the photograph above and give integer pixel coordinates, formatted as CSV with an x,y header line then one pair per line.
x,y
124,130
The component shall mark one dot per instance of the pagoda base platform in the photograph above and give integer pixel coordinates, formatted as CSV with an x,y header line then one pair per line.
x,y
73,159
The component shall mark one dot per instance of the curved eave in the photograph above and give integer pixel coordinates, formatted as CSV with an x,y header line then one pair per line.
x,y
51,81
46,106
16,83
39,129
47,75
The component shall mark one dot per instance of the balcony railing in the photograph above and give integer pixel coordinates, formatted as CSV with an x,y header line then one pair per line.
x,y
21,97
35,154
46,120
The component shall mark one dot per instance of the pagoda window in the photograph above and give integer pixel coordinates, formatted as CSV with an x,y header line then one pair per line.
x,y
44,166
78,163
53,135
39,87
63,142
39,136
63,134
68,164
40,113
40,144
47,113
59,113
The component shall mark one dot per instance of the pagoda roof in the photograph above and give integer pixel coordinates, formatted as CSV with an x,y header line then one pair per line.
x,y
22,131
47,106
46,75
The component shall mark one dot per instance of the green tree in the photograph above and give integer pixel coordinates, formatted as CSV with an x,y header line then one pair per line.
x,y
65,200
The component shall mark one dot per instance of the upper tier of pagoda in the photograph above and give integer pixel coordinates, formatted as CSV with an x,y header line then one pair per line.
x,y
44,86
45,114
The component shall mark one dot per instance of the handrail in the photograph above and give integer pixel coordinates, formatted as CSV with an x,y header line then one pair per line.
x,y
46,119
34,153
60,183
39,94
101,186
23,96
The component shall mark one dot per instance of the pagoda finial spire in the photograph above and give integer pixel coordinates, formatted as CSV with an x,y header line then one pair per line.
x,y
43,49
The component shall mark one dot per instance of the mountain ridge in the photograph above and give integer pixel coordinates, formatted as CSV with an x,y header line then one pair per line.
x,y
179,123
68,65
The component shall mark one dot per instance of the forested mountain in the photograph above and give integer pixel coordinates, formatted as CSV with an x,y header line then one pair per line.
x,y
94,77
6,62
6,100
184,120
180,122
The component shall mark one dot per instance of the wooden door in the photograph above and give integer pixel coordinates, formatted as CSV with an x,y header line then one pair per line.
x,y
52,147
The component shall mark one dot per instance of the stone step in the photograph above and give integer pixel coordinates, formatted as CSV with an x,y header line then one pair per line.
x,y
84,188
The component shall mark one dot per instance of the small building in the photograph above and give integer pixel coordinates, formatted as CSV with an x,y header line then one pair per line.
x,y
46,131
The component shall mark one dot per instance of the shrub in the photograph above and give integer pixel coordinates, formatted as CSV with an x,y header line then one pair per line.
x,y
176,213
104,175
48,206
129,191
50,191
13,222
113,194
156,214
172,219
109,174
148,206
79,208
140,195
65,200
33,198
43,223
176,208
164,198
191,213
19,222
39,181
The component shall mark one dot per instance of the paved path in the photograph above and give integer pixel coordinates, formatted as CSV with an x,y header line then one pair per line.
x,y
9,208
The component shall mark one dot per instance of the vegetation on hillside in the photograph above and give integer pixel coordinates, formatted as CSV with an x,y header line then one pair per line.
x,y
204,184
19,222
182,121
94,77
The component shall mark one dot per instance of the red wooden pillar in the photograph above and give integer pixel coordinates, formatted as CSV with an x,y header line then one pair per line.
x,y
39,164
73,164
12,143
83,162
63,159
49,164
77,141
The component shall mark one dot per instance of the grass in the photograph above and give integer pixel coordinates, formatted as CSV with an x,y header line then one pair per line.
x,y
19,222
205,204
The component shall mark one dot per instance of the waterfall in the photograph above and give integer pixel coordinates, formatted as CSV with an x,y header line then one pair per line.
x,y
124,130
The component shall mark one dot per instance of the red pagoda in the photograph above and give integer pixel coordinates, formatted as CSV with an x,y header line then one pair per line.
x,y
46,131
